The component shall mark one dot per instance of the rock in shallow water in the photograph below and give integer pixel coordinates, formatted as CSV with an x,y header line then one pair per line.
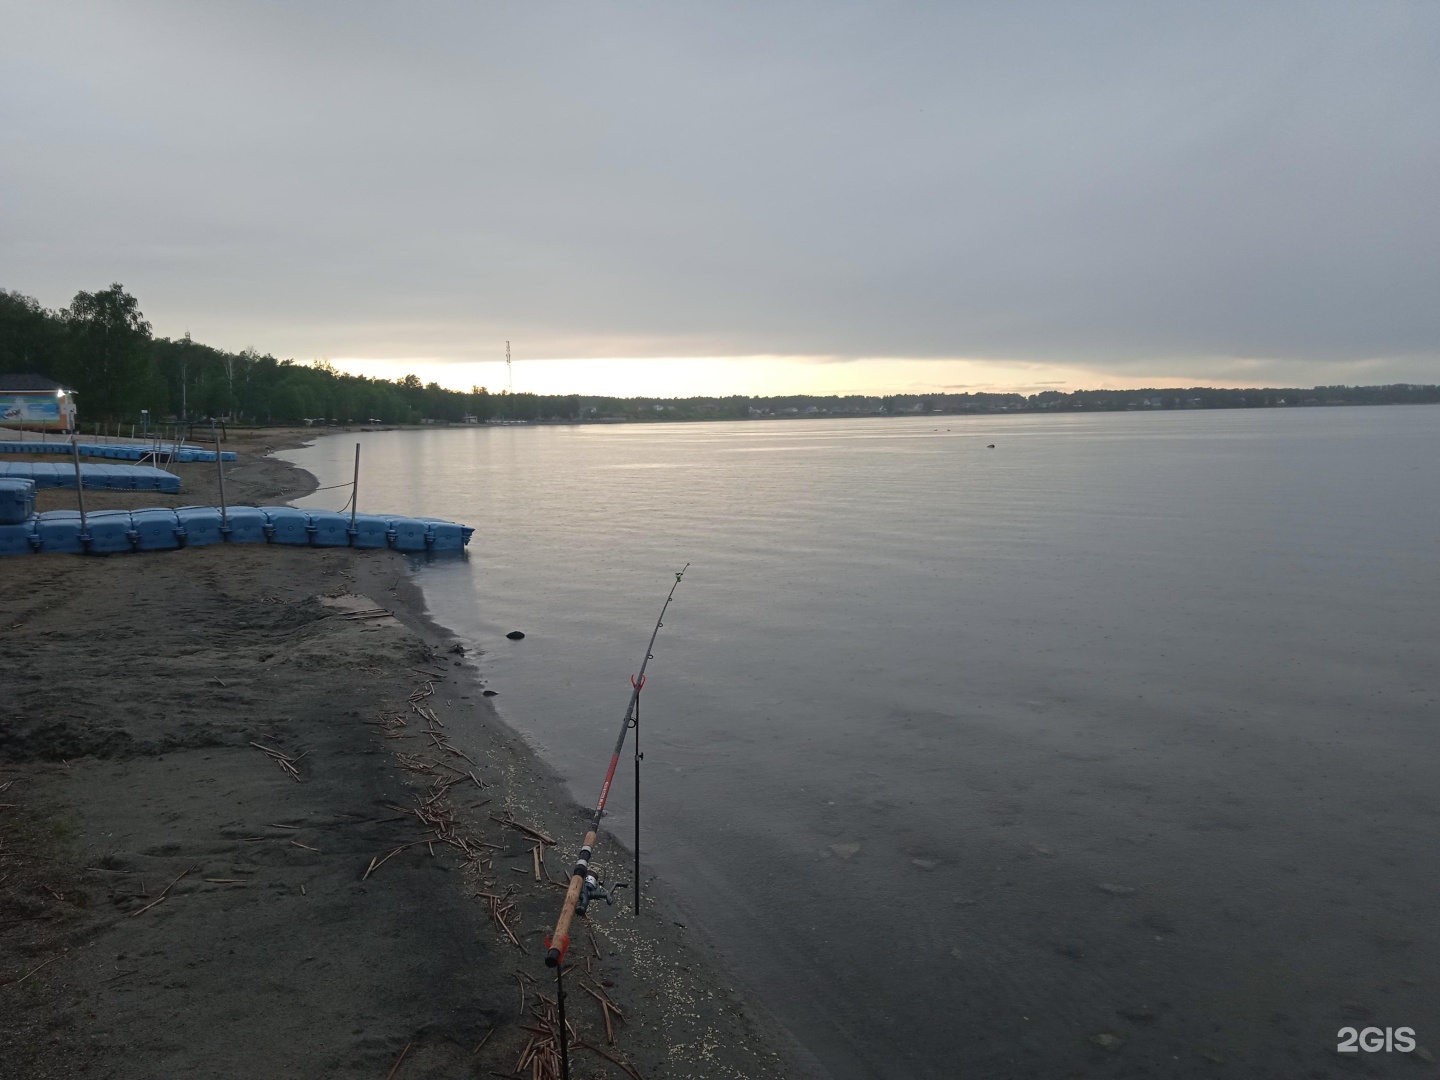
x,y
515,635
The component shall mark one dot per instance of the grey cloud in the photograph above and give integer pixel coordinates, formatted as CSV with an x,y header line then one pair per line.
x,y
1123,186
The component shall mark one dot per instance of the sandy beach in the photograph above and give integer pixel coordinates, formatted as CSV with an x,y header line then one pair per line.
x,y
236,838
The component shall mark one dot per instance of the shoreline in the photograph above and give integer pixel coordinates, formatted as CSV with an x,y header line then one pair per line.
x,y
171,898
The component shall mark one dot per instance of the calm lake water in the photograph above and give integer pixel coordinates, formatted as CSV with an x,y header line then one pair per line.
x,y
1124,728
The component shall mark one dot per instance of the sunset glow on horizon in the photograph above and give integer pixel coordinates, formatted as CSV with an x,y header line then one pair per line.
x,y
758,376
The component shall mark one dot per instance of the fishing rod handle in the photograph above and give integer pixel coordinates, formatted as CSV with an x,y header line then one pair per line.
x,y
559,941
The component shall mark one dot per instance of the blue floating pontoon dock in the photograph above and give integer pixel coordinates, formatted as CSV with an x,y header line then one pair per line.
x,y
161,528
183,452
61,474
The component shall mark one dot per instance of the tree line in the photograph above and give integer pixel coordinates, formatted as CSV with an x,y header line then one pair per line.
x,y
102,347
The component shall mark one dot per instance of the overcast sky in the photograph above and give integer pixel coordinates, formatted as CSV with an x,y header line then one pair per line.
x,y
807,196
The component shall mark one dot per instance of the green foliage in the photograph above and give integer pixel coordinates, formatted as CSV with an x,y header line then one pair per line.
x,y
108,350
32,340
102,347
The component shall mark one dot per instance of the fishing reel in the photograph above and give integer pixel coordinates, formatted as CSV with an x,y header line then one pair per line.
x,y
593,889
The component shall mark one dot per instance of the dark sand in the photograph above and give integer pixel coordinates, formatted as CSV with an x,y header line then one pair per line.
x,y
134,688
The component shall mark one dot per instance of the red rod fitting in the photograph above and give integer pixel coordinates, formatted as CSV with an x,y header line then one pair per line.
x,y
555,957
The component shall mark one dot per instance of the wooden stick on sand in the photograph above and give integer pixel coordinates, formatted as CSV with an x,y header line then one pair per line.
x,y
147,907
394,1068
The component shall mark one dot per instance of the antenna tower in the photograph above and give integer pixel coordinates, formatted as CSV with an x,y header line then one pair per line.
x,y
509,372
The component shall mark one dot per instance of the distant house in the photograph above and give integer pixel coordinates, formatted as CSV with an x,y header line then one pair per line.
x,y
34,401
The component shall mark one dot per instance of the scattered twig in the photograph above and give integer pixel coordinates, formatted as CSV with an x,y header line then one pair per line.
x,y
629,1069
509,822
164,892
394,1068
498,910
32,971
600,995
287,764
377,862
461,753
605,1010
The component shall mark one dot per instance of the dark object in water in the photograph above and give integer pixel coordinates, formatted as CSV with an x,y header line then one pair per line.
x,y
489,693
515,635
990,446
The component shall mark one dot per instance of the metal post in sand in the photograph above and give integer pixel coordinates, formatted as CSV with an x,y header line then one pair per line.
x,y
80,493
355,490
564,1036
638,758
220,472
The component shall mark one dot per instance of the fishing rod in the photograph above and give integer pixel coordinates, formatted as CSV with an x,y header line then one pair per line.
x,y
584,885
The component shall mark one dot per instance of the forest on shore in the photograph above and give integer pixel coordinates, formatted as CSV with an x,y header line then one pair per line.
x,y
102,347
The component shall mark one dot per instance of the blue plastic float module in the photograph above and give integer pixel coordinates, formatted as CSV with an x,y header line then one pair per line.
x,y
61,474
287,525
200,525
115,451
329,529
160,529
111,531
17,500
248,525
371,531
17,539
156,529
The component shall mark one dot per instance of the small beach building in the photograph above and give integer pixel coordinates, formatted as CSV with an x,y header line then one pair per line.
x,y
36,402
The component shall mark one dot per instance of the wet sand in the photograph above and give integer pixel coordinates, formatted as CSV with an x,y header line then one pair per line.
x,y
173,901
